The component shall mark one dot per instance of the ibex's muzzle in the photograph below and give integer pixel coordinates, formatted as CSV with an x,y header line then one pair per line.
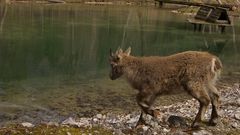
x,y
116,72
112,76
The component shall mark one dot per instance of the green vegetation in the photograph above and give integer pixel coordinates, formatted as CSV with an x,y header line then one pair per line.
x,y
53,130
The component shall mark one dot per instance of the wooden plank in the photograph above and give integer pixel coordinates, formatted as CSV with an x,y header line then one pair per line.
x,y
219,15
215,14
204,12
196,21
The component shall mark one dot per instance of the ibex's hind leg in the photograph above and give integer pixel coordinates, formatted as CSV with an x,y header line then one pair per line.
x,y
199,92
214,95
145,101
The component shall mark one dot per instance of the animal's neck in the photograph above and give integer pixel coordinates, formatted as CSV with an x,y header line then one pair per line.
x,y
131,67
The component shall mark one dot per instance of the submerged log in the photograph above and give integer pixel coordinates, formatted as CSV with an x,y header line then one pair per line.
x,y
99,3
56,1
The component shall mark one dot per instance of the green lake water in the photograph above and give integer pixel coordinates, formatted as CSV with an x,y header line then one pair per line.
x,y
54,58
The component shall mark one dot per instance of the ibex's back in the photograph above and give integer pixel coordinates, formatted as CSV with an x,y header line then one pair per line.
x,y
194,71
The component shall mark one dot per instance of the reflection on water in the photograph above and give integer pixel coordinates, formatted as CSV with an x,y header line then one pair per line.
x,y
54,58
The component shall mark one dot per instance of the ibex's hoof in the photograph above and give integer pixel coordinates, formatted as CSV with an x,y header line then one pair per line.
x,y
213,122
195,126
198,125
140,123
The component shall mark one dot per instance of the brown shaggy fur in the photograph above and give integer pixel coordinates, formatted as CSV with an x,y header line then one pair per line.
x,y
195,72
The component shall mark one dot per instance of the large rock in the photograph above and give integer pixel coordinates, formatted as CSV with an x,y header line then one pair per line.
x,y
27,124
202,132
177,121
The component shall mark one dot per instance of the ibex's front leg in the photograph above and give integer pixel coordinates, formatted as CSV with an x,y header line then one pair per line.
x,y
145,99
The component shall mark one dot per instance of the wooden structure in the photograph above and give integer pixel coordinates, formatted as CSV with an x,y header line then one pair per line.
x,y
161,2
209,15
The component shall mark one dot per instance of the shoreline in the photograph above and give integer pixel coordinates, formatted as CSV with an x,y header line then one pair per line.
x,y
175,8
182,114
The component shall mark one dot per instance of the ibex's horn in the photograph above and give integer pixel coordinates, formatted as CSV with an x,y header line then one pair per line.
x,y
117,51
111,53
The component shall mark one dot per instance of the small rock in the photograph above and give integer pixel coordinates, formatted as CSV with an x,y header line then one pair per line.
x,y
238,101
99,116
145,128
95,119
166,130
235,125
237,116
202,132
27,124
68,133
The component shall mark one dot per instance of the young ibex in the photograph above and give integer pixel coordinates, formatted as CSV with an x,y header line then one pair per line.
x,y
195,72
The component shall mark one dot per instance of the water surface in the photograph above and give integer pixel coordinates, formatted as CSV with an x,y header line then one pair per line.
x,y
54,58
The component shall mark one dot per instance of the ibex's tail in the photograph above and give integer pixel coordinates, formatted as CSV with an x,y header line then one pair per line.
x,y
218,64
216,67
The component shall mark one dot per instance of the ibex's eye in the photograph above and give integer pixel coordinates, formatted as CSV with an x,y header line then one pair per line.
x,y
116,59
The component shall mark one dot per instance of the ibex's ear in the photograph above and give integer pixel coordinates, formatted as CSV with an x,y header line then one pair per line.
x,y
128,51
110,52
